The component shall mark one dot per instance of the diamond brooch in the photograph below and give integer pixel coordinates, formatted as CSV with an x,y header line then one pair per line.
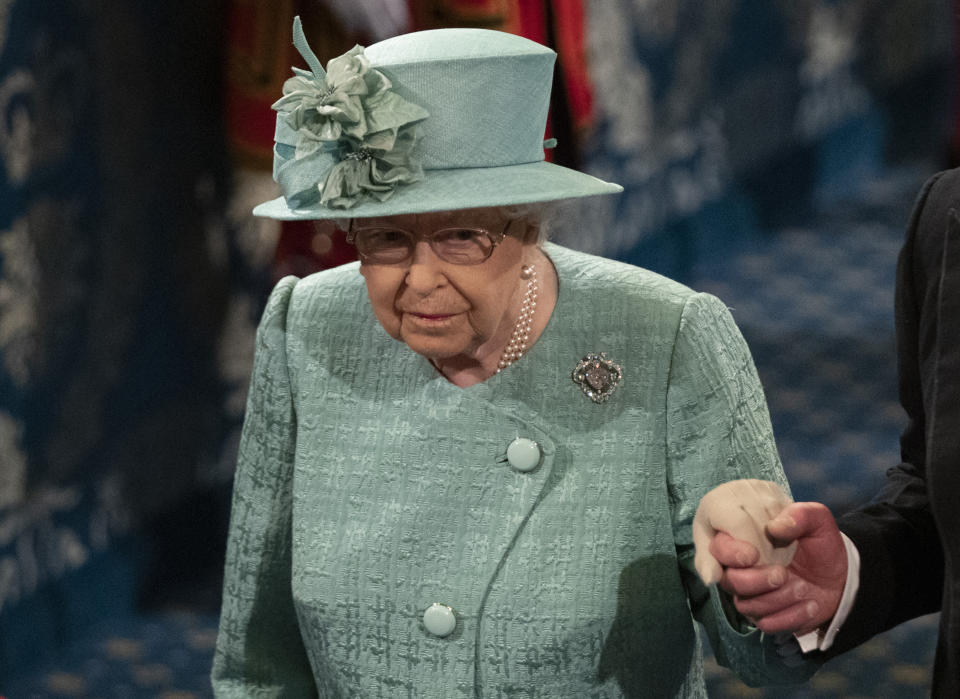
x,y
597,376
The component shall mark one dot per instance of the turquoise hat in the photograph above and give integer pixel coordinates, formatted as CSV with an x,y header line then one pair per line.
x,y
430,121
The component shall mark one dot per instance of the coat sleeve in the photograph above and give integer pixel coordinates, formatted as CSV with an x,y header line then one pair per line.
x,y
259,650
895,533
718,430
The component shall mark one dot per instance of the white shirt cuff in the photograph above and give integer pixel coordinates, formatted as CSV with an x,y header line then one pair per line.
x,y
820,639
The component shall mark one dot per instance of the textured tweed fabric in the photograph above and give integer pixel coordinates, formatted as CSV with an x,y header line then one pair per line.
x,y
368,488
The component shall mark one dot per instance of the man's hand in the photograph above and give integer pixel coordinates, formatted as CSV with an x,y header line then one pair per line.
x,y
797,598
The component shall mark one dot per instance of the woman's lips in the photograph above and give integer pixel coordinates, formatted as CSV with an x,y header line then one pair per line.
x,y
430,320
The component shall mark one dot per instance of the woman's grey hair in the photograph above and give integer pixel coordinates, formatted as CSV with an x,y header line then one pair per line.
x,y
539,215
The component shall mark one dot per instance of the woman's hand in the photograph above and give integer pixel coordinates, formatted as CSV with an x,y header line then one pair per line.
x,y
741,508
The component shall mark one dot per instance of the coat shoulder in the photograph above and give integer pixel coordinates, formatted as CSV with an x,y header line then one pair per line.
x,y
330,295
617,281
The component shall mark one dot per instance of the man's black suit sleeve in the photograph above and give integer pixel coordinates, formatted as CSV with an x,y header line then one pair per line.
x,y
902,564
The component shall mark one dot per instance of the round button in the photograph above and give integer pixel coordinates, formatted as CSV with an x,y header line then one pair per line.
x,y
523,454
439,619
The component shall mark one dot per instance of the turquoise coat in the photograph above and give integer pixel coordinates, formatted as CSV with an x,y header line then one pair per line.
x,y
369,487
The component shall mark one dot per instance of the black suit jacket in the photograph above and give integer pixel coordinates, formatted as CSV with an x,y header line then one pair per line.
x,y
909,535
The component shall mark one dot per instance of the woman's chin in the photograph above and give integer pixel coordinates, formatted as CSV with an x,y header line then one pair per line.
x,y
434,348
437,347
436,340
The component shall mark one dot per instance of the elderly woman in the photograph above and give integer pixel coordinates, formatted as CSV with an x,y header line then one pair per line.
x,y
477,478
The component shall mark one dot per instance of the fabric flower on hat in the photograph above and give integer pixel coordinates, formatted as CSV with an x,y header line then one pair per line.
x,y
372,172
351,134
322,108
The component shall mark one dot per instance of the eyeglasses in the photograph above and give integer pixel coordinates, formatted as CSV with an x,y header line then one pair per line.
x,y
458,245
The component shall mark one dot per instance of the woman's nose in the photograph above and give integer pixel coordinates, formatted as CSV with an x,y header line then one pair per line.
x,y
426,269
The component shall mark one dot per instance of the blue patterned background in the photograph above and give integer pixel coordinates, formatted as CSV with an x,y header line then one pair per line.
x,y
770,151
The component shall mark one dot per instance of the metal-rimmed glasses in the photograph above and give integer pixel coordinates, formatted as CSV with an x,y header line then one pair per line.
x,y
458,245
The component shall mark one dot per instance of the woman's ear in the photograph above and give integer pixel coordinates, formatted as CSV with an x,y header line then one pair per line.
x,y
531,232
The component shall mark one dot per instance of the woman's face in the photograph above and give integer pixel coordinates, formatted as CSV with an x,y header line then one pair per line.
x,y
444,310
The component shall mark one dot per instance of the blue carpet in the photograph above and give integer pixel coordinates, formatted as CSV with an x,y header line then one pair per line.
x,y
159,655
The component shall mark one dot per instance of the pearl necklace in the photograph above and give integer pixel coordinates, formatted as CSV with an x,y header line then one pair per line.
x,y
521,331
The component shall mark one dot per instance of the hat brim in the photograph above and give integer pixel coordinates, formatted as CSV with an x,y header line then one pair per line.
x,y
465,188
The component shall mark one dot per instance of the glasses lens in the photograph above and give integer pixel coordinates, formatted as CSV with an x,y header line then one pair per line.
x,y
383,245
462,246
